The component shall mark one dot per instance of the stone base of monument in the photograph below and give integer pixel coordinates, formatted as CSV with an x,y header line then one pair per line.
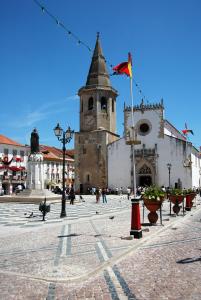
x,y
32,196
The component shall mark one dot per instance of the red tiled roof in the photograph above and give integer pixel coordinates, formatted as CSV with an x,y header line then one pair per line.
x,y
6,140
71,152
52,153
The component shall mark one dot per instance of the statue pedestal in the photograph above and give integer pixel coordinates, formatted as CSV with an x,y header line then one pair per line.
x,y
35,176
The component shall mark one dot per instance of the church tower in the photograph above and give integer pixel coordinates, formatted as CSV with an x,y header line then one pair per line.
x,y
97,125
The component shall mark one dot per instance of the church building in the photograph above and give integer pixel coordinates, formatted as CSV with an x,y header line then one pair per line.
x,y
164,156
97,125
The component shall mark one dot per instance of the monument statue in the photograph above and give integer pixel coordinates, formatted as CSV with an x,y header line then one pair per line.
x,y
34,142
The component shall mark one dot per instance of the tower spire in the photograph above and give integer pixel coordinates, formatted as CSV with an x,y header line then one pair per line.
x,y
98,74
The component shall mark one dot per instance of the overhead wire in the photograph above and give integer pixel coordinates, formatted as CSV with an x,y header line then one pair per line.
x,y
59,23
80,42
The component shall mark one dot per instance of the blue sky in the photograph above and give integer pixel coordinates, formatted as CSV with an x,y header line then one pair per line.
x,y
42,68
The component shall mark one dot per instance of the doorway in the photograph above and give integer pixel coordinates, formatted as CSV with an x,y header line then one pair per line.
x,y
81,188
145,180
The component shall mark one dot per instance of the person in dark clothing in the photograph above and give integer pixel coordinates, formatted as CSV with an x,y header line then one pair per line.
x,y
104,195
97,192
72,195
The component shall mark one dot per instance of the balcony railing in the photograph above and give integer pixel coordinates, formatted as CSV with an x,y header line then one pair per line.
x,y
10,178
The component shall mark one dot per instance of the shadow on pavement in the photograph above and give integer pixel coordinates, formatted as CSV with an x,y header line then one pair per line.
x,y
188,260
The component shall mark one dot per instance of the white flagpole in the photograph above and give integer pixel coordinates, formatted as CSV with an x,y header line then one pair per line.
x,y
132,145
186,145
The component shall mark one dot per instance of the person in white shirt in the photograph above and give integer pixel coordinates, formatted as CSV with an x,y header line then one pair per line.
x,y
128,192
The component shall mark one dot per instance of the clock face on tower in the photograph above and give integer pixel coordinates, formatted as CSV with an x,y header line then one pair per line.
x,y
89,120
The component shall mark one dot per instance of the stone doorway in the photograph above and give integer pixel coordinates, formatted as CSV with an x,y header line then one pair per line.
x,y
81,188
145,180
145,176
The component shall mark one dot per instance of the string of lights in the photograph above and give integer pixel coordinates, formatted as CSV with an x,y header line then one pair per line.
x,y
77,39
80,42
59,23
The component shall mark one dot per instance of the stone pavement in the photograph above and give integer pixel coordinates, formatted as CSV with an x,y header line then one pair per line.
x,y
19,214
88,255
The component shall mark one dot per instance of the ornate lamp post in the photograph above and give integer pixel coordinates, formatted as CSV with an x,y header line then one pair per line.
x,y
64,137
169,169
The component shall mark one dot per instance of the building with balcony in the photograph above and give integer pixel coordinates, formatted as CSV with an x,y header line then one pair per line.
x,y
53,166
14,161
13,164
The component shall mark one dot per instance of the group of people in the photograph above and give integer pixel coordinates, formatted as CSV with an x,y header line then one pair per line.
x,y
101,192
98,192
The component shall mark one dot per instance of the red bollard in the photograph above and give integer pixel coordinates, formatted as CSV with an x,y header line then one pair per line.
x,y
136,230
188,203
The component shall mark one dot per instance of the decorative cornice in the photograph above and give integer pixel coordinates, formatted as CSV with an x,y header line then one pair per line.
x,y
142,107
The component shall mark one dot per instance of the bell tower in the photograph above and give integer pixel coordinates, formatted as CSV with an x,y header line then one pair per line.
x,y
97,97
97,124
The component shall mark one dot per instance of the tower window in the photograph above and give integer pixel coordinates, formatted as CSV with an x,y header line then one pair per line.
x,y
104,104
90,103
81,106
88,178
112,105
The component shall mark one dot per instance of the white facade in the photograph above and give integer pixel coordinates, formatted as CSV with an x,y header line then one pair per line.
x,y
161,143
15,172
32,173
53,172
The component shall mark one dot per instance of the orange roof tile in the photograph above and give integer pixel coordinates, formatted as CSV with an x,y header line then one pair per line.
x,y
6,140
53,153
71,152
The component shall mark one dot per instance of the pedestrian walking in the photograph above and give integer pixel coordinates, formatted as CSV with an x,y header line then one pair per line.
x,y
128,193
72,195
104,195
97,192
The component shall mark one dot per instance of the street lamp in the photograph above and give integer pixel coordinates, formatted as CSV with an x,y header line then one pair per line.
x,y
64,137
169,169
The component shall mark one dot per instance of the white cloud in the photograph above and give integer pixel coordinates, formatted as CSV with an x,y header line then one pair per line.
x,y
41,113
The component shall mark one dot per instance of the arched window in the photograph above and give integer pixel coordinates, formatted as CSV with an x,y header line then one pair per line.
x,y
90,103
81,106
88,178
104,104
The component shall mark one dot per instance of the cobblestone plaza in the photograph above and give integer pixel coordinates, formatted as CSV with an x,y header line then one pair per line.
x,y
89,255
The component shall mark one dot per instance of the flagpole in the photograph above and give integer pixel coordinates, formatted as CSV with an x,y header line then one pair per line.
x,y
132,145
186,147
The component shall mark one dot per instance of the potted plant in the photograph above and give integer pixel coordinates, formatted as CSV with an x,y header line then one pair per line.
x,y
176,197
153,198
190,195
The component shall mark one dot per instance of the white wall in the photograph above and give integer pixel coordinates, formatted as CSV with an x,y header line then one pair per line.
x,y
154,119
196,176
119,167
170,149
